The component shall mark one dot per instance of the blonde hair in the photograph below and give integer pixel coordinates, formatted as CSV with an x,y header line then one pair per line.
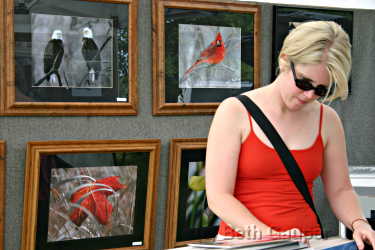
x,y
316,42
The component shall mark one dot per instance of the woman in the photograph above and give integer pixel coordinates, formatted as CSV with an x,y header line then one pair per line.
x,y
247,185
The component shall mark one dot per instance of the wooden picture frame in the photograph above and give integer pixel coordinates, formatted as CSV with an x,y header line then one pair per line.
x,y
286,17
110,89
2,194
187,157
69,205
173,92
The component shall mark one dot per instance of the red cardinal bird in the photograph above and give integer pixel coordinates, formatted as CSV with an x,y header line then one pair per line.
x,y
213,54
95,200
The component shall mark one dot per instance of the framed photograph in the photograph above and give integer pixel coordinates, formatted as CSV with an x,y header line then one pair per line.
x,y
203,52
2,192
287,18
189,218
90,194
69,57
82,64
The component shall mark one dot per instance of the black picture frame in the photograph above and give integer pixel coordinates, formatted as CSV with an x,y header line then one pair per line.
x,y
28,86
185,231
206,18
283,17
56,161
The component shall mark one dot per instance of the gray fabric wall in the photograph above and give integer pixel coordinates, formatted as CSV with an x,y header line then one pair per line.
x,y
356,114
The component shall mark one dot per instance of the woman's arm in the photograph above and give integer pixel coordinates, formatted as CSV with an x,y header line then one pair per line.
x,y
224,142
335,176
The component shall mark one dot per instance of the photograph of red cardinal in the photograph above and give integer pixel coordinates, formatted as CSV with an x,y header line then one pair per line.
x,y
208,57
93,197
213,54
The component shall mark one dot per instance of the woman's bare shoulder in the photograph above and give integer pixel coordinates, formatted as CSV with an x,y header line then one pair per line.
x,y
330,115
230,105
231,113
331,124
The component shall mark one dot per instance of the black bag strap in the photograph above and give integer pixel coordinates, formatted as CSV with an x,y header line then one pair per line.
x,y
287,158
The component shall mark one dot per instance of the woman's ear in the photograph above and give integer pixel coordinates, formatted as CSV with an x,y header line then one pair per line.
x,y
284,57
283,62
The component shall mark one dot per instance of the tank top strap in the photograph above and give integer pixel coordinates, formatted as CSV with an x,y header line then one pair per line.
x,y
320,119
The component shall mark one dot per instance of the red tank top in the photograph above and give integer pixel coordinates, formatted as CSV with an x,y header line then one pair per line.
x,y
264,186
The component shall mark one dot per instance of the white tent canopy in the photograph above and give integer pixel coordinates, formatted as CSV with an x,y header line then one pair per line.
x,y
345,4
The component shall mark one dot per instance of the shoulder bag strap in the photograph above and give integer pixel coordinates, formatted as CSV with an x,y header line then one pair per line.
x,y
287,158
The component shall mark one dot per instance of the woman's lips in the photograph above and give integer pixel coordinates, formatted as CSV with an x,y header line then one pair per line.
x,y
303,102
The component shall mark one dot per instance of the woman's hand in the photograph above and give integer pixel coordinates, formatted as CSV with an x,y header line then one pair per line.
x,y
362,232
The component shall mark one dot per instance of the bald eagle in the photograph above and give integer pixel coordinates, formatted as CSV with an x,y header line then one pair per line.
x,y
91,54
53,55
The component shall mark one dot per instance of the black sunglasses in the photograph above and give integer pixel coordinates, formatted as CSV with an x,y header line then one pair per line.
x,y
305,84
